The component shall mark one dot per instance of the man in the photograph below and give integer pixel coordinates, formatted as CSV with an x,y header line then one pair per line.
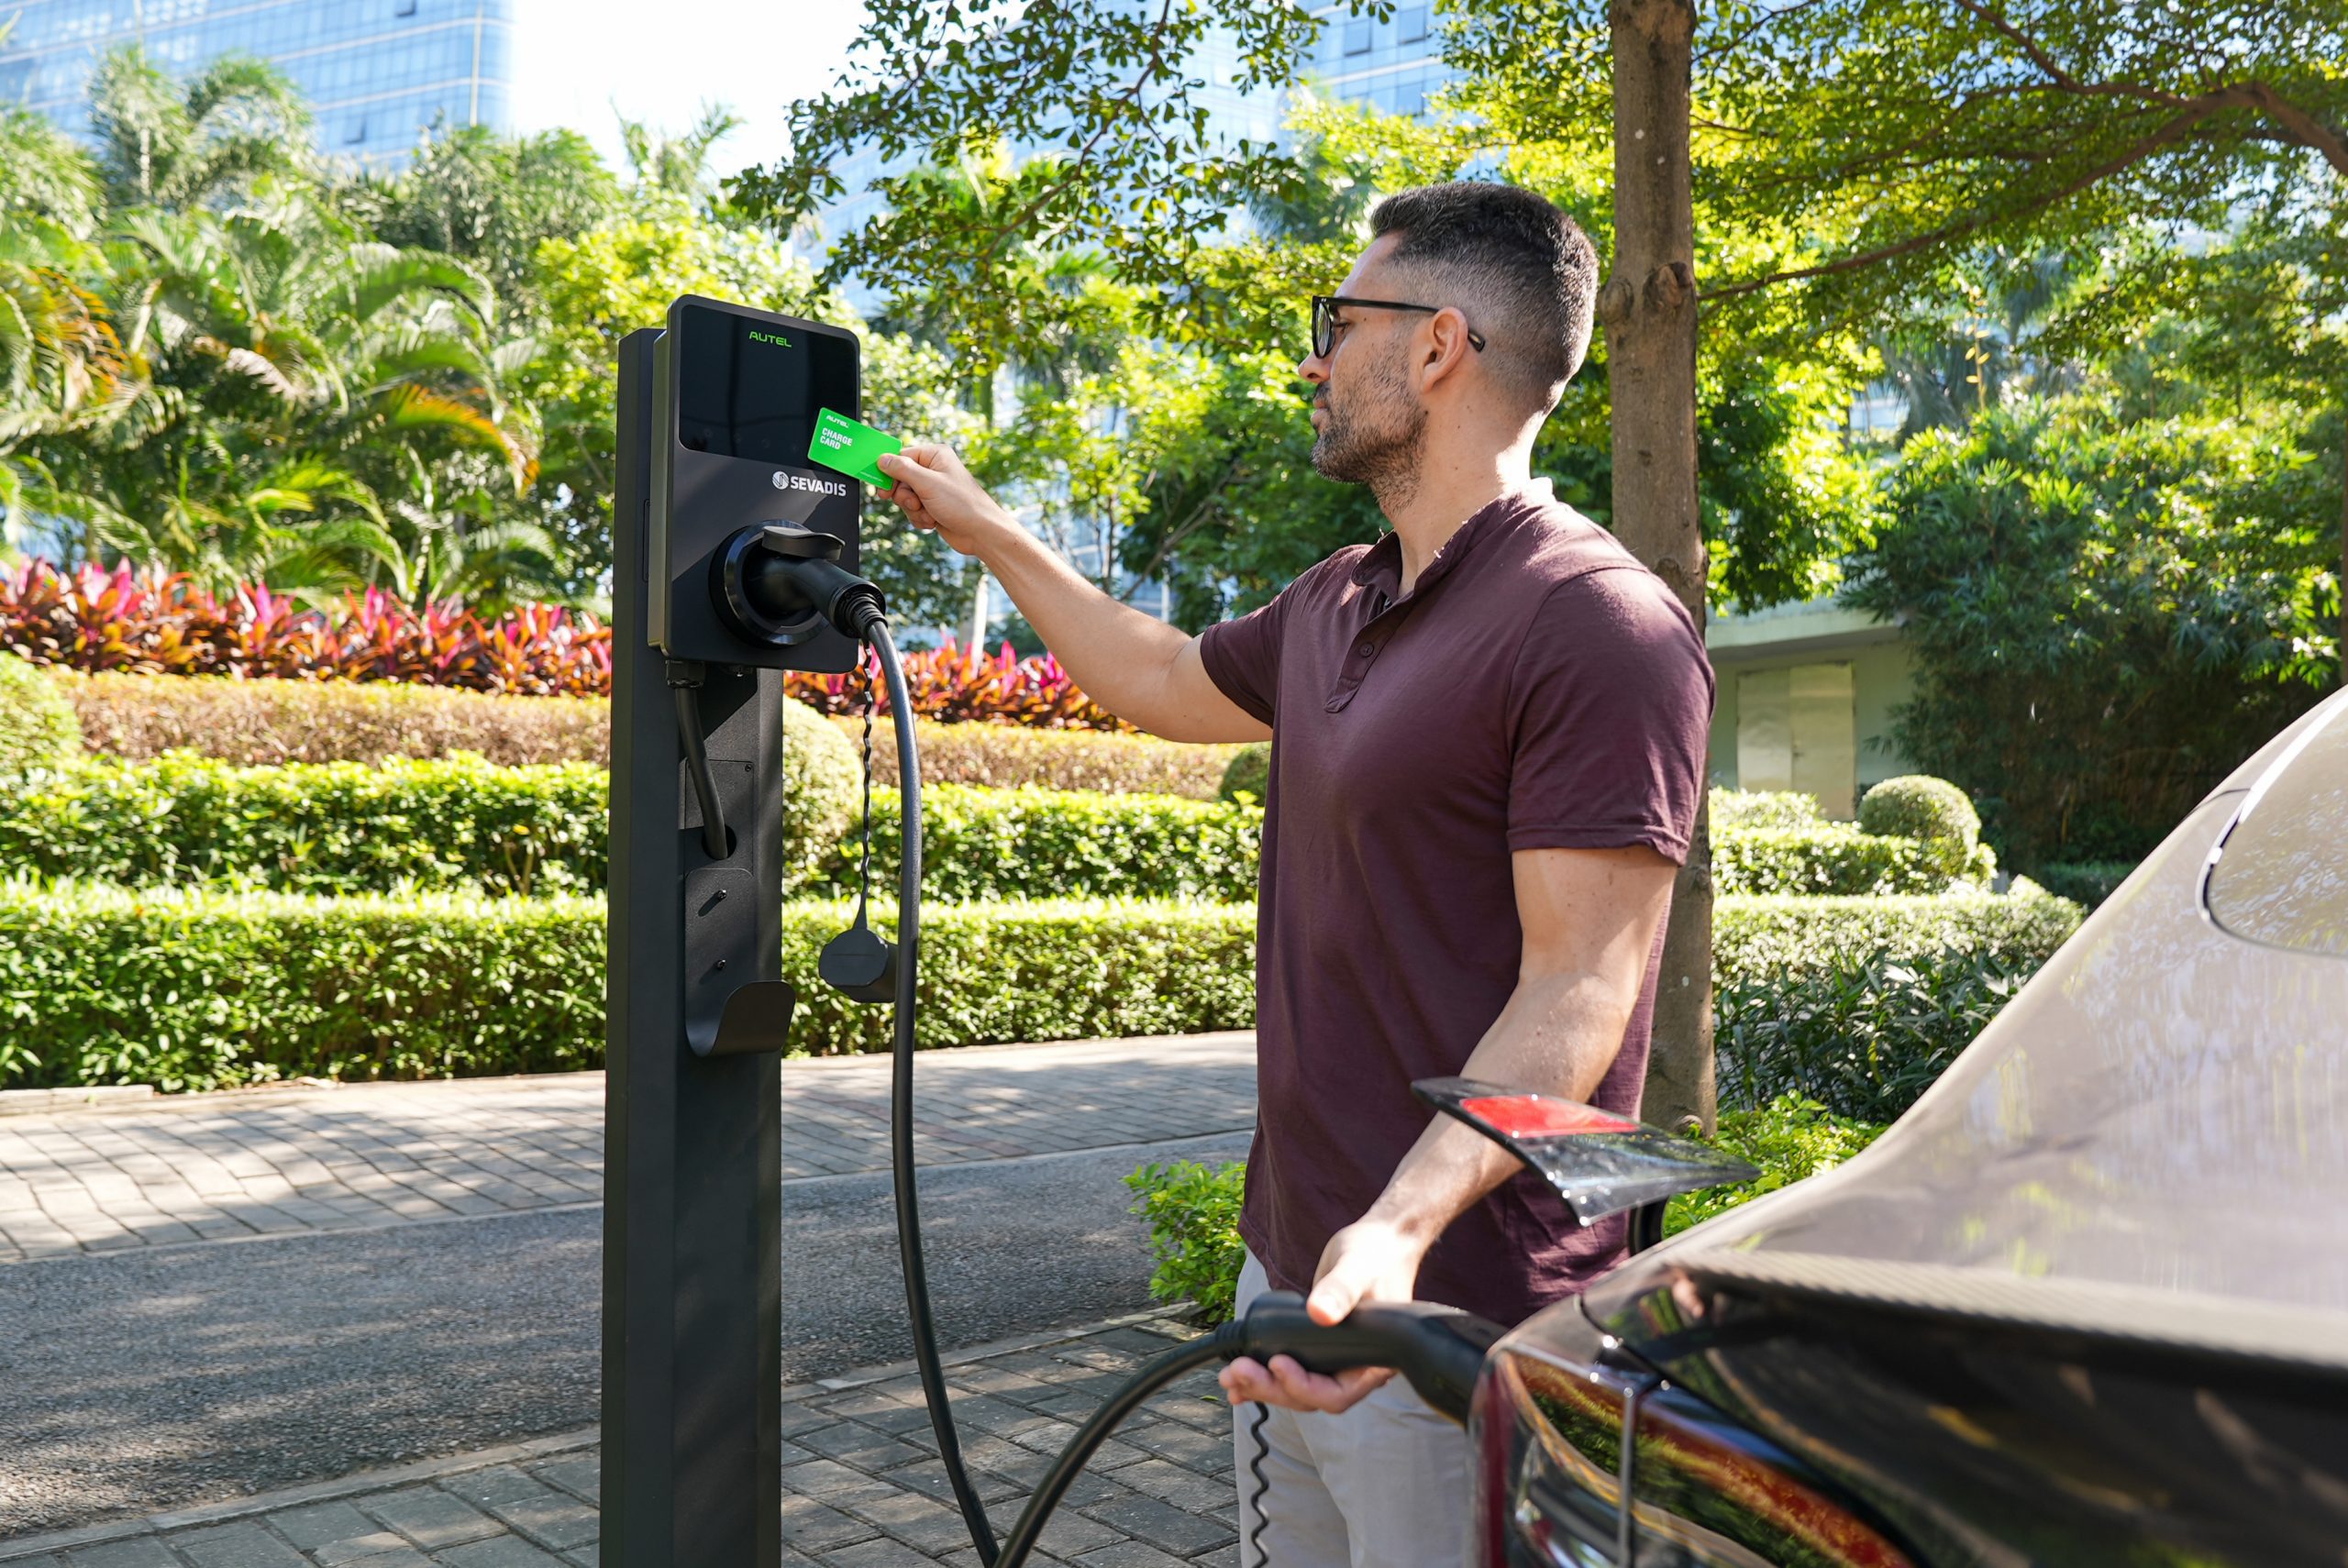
x,y
1488,744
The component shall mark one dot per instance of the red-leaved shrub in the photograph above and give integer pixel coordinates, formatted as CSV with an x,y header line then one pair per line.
x,y
149,623
954,687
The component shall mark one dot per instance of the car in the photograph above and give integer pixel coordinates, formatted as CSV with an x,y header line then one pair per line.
x,y
2086,1303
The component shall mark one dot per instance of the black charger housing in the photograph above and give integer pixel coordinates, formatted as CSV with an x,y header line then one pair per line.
x,y
736,393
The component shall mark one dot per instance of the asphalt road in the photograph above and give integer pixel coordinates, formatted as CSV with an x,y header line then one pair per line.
x,y
133,1383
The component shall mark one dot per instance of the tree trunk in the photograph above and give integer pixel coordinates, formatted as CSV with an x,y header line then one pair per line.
x,y
1648,309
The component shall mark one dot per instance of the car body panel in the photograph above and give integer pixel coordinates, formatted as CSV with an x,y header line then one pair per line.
x,y
2087,1301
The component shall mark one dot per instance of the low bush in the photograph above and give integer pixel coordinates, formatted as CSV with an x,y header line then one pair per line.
x,y
2089,881
341,827
1248,774
199,991
462,824
1733,810
1937,814
1011,757
1786,1140
458,825
193,988
142,717
1823,859
37,726
1193,1211
1915,805
1010,844
1860,1003
139,718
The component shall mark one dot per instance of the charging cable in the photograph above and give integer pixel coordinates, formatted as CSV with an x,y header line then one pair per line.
x,y
1439,1350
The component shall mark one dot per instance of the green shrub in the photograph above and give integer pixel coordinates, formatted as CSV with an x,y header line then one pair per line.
x,y
1935,813
1823,859
37,725
198,990
336,827
139,718
2089,881
1192,1210
1752,808
1193,1216
822,788
1788,1139
1008,756
1860,1003
1249,773
1010,844
459,824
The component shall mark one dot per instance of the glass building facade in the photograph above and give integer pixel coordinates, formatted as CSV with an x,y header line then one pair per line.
x,y
377,73
1392,66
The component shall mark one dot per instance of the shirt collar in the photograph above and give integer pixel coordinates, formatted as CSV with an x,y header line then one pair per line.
x,y
1381,566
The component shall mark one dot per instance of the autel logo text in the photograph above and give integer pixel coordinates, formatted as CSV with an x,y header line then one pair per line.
x,y
777,339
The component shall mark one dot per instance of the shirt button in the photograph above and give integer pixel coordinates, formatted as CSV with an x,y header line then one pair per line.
x,y
1367,649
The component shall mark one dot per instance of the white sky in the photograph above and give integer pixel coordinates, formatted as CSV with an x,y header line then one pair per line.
x,y
573,60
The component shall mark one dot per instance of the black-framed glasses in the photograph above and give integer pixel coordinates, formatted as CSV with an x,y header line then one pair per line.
x,y
1324,319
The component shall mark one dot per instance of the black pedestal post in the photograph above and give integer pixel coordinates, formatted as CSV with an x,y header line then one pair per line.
x,y
691,1219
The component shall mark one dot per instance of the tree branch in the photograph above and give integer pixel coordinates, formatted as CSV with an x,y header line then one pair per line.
x,y
2176,130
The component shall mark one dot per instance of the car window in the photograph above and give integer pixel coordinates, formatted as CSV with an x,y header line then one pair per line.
x,y
2280,875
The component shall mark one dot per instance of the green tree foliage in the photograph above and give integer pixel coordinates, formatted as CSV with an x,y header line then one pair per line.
x,y
621,275
980,243
2108,610
488,200
172,147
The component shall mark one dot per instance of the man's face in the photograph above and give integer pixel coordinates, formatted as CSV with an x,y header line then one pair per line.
x,y
1370,427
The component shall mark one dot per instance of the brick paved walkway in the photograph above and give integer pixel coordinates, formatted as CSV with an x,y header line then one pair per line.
x,y
861,1484
212,1168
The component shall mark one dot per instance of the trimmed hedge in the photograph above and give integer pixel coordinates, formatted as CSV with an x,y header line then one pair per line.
x,y
461,824
254,723
1009,757
1011,843
1860,1003
139,718
341,827
37,726
192,990
1823,859
1734,809
464,825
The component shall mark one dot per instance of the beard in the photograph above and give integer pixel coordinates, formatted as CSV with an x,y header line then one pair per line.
x,y
1378,435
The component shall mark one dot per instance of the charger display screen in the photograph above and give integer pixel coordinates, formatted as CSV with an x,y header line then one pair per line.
x,y
746,388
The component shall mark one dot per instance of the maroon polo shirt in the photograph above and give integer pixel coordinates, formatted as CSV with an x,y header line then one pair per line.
x,y
1537,689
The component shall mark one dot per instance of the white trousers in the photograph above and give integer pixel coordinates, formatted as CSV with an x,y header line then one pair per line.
x,y
1383,1485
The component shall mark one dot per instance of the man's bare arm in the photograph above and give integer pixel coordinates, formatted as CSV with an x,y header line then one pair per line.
x,y
1141,670
1590,918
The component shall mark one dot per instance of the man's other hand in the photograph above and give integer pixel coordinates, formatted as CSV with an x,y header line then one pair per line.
x,y
1367,1260
937,491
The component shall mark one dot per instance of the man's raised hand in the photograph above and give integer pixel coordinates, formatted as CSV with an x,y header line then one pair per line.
x,y
935,492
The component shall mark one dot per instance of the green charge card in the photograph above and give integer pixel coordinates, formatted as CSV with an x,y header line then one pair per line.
x,y
843,445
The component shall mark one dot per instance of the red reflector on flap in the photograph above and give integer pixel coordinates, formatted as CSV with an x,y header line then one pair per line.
x,y
1530,1116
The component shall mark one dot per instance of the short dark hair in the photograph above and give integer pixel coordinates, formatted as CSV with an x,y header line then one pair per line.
x,y
1511,258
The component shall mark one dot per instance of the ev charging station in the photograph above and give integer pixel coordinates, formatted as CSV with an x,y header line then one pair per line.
x,y
713,488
